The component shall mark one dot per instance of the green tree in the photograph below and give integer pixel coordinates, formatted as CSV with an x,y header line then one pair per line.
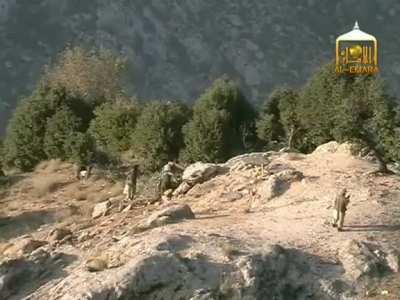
x,y
222,120
349,107
63,124
158,134
62,105
288,106
113,126
23,145
80,148
25,138
279,122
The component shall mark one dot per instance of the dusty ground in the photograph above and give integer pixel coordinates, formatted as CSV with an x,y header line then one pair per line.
x,y
225,209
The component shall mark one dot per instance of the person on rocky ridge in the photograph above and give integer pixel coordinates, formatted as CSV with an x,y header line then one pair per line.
x,y
169,178
341,202
130,183
130,187
83,171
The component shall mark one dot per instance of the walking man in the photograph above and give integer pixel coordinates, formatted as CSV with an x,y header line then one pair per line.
x,y
342,200
130,183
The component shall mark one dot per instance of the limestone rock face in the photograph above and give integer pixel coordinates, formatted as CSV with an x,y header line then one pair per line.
x,y
275,273
169,215
16,273
278,183
254,159
365,260
22,247
200,172
101,209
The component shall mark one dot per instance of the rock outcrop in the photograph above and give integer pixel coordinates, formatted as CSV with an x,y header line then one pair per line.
x,y
58,234
278,183
161,273
212,243
368,260
172,214
252,159
22,247
101,209
198,173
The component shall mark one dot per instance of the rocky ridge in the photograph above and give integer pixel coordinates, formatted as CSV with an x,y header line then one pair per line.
x,y
258,230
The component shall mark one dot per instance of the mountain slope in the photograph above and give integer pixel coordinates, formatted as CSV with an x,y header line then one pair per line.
x,y
176,48
284,247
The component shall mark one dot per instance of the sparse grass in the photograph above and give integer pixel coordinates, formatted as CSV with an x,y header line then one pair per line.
x,y
46,185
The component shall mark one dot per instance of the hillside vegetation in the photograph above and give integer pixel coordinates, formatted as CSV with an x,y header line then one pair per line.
x,y
79,112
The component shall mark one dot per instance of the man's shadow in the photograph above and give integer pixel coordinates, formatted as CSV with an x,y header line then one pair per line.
x,y
378,227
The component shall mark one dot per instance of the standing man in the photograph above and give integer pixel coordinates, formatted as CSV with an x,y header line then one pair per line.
x,y
342,199
130,183
130,187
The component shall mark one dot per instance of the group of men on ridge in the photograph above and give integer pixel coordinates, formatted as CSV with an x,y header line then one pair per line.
x,y
170,178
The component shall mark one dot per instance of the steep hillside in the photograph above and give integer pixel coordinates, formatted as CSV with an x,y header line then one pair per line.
x,y
260,230
175,48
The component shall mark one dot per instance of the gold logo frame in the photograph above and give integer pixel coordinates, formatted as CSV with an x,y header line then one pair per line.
x,y
356,53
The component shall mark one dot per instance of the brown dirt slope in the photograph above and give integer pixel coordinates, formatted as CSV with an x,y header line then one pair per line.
x,y
230,209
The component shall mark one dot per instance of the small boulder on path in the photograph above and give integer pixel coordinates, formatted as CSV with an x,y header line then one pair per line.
x,y
101,209
58,234
95,264
169,215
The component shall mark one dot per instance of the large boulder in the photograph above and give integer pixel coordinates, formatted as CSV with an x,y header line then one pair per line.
x,y
278,183
363,260
16,273
13,274
200,172
348,148
276,273
330,147
254,159
58,234
101,209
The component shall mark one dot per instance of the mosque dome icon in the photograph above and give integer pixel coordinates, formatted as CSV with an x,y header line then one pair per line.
x,y
357,52
356,35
